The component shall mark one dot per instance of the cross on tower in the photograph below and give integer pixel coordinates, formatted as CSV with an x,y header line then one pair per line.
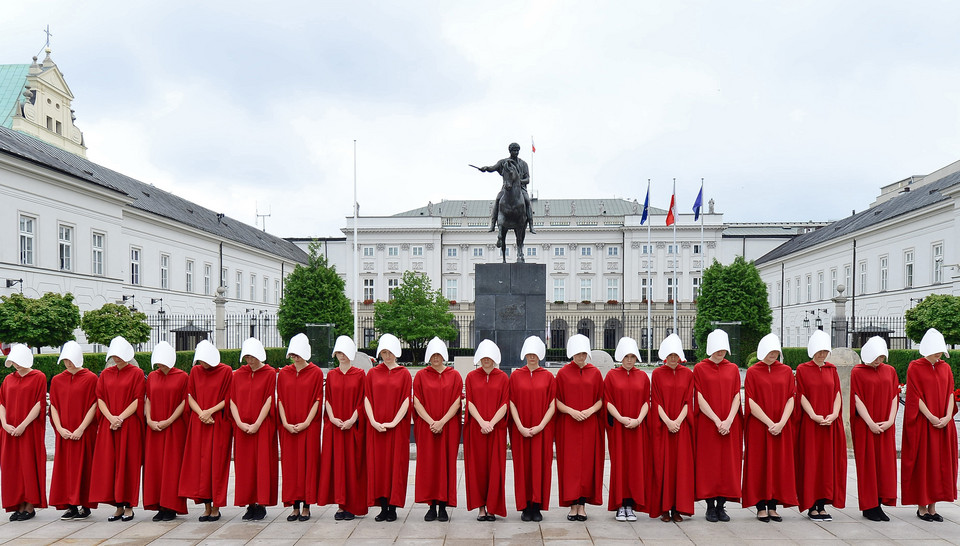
x,y
47,32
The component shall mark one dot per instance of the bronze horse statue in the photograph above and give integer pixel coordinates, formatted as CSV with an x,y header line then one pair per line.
x,y
512,212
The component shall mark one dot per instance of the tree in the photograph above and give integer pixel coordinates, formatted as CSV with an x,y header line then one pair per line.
x,y
938,311
733,293
313,293
416,313
112,320
48,321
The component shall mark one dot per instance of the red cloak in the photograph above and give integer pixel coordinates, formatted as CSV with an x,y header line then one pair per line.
x,y
485,455
629,448
769,471
164,450
436,473
255,456
206,457
719,458
343,470
928,460
671,482
388,453
532,393
118,455
23,459
300,452
875,454
73,394
580,445
821,450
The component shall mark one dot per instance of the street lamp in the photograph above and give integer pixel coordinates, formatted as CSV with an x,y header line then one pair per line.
x,y
163,317
818,322
132,299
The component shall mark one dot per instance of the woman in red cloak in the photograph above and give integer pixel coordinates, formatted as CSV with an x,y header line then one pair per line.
x,y
579,430
299,395
73,408
533,393
206,457
343,471
485,434
386,402
437,392
23,458
253,409
671,435
769,471
928,461
874,400
118,455
164,406
718,426
626,391
821,441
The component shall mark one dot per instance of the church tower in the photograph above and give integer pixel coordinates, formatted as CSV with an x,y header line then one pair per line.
x,y
36,100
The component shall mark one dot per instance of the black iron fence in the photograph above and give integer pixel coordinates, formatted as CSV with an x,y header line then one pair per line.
x,y
185,331
857,331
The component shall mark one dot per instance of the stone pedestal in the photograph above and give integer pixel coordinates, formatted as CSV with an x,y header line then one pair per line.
x,y
511,305
845,359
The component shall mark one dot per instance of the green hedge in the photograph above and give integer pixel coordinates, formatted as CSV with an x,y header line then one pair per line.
x,y
95,362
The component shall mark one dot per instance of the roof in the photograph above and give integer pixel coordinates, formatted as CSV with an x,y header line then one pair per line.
x,y
904,203
12,79
145,196
558,207
772,231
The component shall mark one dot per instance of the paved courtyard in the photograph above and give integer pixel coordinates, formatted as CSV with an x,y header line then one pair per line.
x,y
847,527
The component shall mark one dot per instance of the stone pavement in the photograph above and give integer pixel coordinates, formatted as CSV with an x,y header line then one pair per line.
x,y
847,527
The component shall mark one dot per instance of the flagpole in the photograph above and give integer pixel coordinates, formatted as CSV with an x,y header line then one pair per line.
x,y
356,253
649,284
533,152
702,253
675,291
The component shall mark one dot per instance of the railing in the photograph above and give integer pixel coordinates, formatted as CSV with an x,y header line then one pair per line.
x,y
184,331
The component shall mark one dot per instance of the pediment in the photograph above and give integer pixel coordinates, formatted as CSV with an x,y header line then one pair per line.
x,y
54,79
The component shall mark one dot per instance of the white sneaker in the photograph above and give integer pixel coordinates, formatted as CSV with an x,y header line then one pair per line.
x,y
622,514
630,515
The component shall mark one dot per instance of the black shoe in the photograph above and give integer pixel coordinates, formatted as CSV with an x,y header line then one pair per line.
x,y
83,513
776,519
431,514
259,513
130,517
70,514
825,516
581,517
442,514
382,516
160,514
24,516
722,514
572,517
872,515
116,517
348,516
169,515
925,517
248,515
339,515
204,518
391,513
294,517
883,515
765,519
526,515
537,516
304,517
491,517
15,516
711,515
813,514
214,518
936,517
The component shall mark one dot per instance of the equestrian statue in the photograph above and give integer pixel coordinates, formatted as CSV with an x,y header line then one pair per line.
x,y
511,208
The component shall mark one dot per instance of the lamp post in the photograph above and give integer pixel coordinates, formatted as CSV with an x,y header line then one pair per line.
x,y
13,282
818,322
133,301
163,317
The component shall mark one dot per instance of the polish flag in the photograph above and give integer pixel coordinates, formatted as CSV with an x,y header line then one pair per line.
x,y
533,148
672,213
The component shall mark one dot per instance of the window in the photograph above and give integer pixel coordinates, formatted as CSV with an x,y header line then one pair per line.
x,y
938,263
223,276
276,291
644,290
65,236
559,251
451,252
253,287
165,271
134,265
97,258
531,251
908,269
820,285
368,252
833,282
452,289
392,284
780,292
478,252
208,280
798,290
28,228
586,251
558,290
49,123
238,286
417,251
696,248
367,289
586,289
266,284
613,251
696,288
809,288
671,249
670,293
59,128
189,276
788,291
646,249
862,281
613,289
883,273
393,251
847,278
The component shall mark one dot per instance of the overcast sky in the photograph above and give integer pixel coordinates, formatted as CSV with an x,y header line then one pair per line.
x,y
789,110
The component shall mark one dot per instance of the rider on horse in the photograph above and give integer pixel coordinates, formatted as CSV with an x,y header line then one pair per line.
x,y
508,168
